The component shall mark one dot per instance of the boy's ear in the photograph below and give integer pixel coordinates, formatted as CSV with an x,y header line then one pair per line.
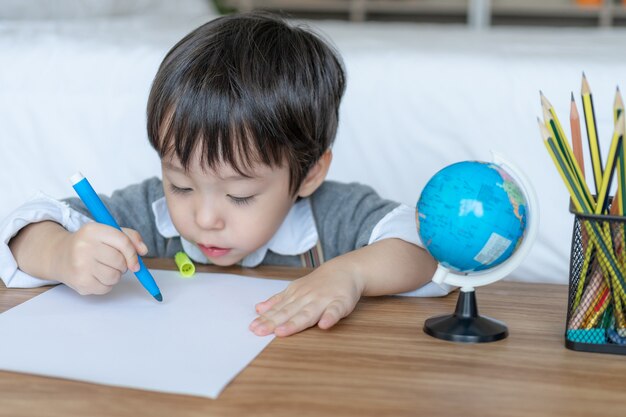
x,y
316,175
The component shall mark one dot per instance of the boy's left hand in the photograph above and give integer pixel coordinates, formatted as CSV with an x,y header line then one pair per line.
x,y
321,298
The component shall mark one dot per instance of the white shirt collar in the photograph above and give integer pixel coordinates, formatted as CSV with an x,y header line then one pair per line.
x,y
296,235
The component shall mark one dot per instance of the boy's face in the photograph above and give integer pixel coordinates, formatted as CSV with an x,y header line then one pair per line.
x,y
226,215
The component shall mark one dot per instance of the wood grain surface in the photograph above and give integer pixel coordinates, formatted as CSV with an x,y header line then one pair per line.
x,y
376,362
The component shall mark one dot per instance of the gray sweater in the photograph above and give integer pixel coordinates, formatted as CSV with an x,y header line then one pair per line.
x,y
345,215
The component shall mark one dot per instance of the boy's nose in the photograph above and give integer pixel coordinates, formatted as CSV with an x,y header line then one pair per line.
x,y
209,219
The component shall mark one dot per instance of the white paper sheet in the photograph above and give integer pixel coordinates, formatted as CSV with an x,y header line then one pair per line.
x,y
194,343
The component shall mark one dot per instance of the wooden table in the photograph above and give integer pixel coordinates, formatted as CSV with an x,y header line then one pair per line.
x,y
377,362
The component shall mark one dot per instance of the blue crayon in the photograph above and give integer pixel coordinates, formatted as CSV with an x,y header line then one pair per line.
x,y
101,215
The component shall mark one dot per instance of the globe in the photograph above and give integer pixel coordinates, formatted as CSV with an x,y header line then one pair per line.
x,y
471,216
478,220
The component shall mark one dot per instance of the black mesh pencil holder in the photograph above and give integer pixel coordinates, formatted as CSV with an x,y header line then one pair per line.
x,y
596,312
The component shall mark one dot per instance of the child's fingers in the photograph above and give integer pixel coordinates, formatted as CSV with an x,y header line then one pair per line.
x,y
333,313
304,319
89,285
106,275
111,257
275,311
137,241
275,317
99,289
120,241
264,306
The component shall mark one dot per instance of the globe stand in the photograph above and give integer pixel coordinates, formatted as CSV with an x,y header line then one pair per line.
x,y
466,325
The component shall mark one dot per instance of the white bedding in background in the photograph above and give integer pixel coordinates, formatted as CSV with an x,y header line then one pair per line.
x,y
73,96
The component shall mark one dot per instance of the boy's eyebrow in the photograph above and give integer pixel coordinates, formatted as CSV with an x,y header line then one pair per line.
x,y
173,167
237,177
233,177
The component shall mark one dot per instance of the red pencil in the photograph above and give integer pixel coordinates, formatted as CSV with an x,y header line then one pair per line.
x,y
577,142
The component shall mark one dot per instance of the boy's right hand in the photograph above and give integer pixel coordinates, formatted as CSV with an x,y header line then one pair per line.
x,y
93,259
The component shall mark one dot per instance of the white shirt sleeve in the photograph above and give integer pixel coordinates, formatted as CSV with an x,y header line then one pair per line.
x,y
400,224
40,208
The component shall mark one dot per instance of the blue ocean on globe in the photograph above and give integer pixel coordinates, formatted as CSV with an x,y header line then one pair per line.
x,y
471,216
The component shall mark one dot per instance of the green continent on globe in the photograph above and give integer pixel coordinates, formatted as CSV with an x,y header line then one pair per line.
x,y
512,190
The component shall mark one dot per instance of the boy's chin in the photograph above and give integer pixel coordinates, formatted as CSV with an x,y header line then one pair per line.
x,y
225,262
222,263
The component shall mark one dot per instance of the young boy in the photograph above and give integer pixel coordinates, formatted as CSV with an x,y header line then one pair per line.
x,y
242,112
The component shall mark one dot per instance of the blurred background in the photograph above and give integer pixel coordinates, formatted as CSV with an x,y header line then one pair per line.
x,y
430,82
477,13
474,12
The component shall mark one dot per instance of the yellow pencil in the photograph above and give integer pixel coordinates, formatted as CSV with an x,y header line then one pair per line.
x,y
592,133
618,310
614,291
601,208
609,169
620,245
620,196
568,154
578,189
552,123
550,108
577,146
618,104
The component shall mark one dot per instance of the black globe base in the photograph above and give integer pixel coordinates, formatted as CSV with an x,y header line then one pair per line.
x,y
466,325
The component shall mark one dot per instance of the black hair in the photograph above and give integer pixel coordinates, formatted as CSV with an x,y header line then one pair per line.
x,y
247,88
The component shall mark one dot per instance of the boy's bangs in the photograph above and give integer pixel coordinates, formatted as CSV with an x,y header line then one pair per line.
x,y
220,128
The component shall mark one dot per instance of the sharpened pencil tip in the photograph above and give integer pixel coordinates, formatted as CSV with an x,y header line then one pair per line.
x,y
617,88
584,88
572,96
544,101
158,297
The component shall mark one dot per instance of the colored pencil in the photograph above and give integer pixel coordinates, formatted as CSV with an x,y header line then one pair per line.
x,y
609,169
620,195
577,142
562,143
592,132
618,104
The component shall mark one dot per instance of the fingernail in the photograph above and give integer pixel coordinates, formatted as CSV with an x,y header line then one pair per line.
x,y
135,268
144,248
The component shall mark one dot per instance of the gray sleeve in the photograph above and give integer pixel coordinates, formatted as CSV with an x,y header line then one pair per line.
x,y
132,208
346,215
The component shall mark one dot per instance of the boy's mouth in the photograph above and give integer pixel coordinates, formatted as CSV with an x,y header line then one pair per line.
x,y
213,251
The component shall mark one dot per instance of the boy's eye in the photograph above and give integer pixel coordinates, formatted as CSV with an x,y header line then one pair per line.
x,y
179,190
241,200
